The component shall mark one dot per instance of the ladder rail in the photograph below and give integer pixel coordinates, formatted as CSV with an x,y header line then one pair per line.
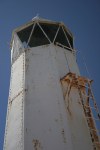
x,y
94,100
89,119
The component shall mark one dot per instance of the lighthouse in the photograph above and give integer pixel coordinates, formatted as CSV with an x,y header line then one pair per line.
x,y
50,103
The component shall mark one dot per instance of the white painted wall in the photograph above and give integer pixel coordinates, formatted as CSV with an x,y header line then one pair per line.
x,y
14,122
48,125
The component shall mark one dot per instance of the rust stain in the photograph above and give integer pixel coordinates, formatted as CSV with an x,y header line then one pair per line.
x,y
79,102
11,100
63,135
93,132
66,92
83,85
37,144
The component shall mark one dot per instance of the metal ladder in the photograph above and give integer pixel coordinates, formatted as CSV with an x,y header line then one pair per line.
x,y
91,112
87,99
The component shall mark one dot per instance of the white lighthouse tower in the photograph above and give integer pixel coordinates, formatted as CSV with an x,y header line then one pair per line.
x,y
50,104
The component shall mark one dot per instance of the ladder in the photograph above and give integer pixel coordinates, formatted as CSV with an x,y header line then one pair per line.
x,y
88,102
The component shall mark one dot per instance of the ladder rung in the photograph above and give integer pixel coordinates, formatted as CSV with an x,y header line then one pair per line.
x,y
92,118
87,96
90,107
97,143
98,114
84,86
95,130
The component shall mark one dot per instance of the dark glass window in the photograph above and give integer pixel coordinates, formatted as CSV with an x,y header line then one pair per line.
x,y
69,38
61,38
25,33
38,37
50,30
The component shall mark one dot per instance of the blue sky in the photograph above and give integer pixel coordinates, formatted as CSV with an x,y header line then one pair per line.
x,y
81,16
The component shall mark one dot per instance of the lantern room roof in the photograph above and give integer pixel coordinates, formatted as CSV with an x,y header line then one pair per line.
x,y
40,31
40,20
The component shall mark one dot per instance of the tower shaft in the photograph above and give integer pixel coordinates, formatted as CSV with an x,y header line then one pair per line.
x,y
44,112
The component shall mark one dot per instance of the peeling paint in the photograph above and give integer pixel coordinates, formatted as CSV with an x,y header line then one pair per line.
x,y
36,144
63,135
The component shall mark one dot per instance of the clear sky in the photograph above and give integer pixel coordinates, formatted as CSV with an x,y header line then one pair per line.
x,y
81,16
